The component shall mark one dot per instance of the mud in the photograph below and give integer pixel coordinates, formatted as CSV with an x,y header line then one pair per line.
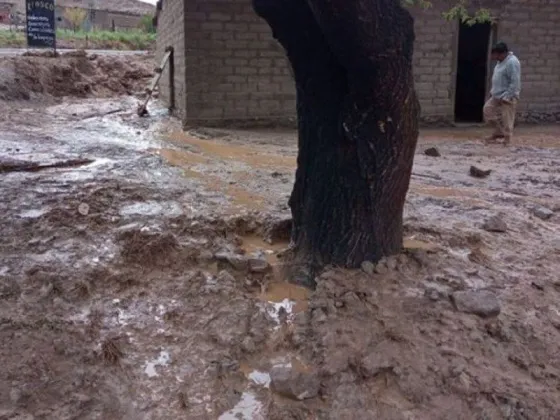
x,y
127,290
74,74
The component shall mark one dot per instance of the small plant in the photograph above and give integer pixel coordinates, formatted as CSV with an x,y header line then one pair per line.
x,y
147,24
75,16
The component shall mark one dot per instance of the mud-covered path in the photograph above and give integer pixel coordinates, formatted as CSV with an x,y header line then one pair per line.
x,y
138,287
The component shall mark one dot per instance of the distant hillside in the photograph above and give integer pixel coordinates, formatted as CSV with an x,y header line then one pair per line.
x,y
134,7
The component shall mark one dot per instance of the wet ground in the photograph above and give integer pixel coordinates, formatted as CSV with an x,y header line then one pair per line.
x,y
133,286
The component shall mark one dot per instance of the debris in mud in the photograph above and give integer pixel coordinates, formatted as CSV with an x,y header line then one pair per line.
x,y
368,267
258,265
297,385
238,262
479,302
432,151
382,267
111,351
542,212
83,209
495,224
36,167
148,248
479,173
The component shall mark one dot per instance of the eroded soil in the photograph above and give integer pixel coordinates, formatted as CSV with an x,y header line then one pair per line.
x,y
129,288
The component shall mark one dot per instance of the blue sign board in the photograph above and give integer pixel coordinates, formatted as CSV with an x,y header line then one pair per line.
x,y
41,24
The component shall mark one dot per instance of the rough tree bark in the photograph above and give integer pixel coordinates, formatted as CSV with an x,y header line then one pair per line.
x,y
358,124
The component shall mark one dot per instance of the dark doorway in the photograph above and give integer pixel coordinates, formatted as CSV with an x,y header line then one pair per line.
x,y
472,67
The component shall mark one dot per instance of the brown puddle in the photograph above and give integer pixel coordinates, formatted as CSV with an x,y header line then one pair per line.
x,y
412,243
254,243
240,197
248,367
468,196
254,156
277,291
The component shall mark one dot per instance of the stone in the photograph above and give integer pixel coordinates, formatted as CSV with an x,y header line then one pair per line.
x,y
432,293
258,265
15,395
483,303
83,209
376,363
368,267
432,151
319,315
293,384
248,345
542,212
479,173
554,317
239,262
392,262
225,277
381,267
495,224
205,256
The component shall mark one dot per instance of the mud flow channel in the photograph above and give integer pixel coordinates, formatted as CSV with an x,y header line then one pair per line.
x,y
141,277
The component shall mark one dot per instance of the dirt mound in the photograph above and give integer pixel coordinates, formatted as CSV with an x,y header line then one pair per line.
x,y
384,351
72,74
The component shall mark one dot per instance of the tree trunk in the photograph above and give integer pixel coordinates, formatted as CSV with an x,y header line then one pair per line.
x,y
358,124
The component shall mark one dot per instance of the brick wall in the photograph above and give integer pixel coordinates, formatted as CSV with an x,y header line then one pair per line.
x,y
236,71
171,33
434,71
532,30
100,19
122,21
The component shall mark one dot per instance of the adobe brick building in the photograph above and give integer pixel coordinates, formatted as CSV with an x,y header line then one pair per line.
x,y
227,67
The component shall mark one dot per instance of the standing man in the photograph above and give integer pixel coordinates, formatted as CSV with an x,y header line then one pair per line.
x,y
499,110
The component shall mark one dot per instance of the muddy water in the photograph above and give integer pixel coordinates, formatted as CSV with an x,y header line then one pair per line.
x,y
254,156
279,292
187,346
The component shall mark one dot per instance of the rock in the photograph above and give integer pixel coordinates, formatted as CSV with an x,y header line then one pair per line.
x,y
225,277
205,256
432,151
258,265
376,363
392,262
479,302
542,212
248,345
83,209
368,267
295,385
239,262
432,293
381,267
479,173
495,224
15,395
319,315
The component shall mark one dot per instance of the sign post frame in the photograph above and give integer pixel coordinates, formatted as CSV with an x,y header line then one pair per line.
x,y
40,24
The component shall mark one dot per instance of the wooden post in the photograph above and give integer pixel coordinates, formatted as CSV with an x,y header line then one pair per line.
x,y
171,79
143,107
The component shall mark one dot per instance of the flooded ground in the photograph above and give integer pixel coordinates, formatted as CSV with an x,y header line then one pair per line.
x,y
140,285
